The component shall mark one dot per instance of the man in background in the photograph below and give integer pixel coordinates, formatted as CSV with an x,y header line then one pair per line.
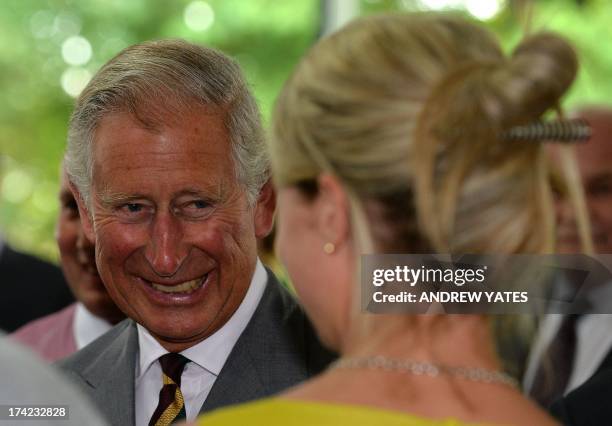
x,y
572,348
58,335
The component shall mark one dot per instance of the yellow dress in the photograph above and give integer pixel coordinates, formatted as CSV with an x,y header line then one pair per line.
x,y
286,412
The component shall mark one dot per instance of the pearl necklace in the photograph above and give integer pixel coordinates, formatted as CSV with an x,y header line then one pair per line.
x,y
420,368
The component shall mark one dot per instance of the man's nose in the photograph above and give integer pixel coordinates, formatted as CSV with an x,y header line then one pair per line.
x,y
166,250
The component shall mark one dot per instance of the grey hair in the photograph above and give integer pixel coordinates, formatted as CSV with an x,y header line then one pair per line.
x,y
155,78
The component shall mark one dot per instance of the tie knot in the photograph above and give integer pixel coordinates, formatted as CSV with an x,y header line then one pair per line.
x,y
172,365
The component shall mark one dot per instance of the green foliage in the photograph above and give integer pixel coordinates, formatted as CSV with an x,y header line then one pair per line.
x,y
266,36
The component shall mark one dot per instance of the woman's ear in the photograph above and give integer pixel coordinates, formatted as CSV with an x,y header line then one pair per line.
x,y
332,210
84,214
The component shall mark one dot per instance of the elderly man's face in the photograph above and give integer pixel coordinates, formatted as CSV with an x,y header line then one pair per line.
x,y
175,235
595,163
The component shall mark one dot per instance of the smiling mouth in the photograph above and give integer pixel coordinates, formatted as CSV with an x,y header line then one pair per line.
x,y
185,287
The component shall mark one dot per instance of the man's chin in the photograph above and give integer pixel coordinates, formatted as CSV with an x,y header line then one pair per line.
x,y
174,341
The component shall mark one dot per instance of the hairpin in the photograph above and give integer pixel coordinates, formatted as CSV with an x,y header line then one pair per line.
x,y
571,130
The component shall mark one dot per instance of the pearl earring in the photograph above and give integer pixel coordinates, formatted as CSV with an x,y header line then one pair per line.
x,y
329,248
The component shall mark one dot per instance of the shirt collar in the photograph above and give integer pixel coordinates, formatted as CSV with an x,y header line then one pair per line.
x,y
212,352
87,327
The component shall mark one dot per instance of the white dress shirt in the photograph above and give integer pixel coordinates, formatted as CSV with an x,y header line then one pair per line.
x,y
87,327
207,358
594,341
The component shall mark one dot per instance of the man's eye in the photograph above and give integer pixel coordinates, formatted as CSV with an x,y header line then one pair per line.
x,y
199,204
195,209
134,211
133,207
71,207
600,190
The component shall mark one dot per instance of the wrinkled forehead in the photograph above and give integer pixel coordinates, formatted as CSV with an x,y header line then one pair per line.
x,y
155,119
195,148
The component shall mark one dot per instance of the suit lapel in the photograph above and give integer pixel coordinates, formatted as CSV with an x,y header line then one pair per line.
x,y
268,357
112,376
238,381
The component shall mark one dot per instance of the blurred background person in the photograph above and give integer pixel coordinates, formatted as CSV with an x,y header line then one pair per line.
x,y
60,334
595,165
568,349
388,139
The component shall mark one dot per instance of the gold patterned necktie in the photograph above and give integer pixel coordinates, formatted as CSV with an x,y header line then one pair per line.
x,y
171,405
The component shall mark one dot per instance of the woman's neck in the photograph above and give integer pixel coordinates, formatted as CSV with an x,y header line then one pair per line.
x,y
448,340
458,340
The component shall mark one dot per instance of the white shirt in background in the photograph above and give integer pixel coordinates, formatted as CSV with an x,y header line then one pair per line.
x,y
594,341
87,327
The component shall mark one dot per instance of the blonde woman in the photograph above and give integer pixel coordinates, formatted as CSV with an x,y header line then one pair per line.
x,y
387,140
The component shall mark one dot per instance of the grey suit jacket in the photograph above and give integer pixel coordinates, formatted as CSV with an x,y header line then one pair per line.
x,y
277,349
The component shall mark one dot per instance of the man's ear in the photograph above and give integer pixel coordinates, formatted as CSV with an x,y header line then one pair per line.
x,y
264,210
332,210
84,214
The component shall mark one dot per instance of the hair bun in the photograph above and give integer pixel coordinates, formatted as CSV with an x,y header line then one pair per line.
x,y
542,68
459,138
510,92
